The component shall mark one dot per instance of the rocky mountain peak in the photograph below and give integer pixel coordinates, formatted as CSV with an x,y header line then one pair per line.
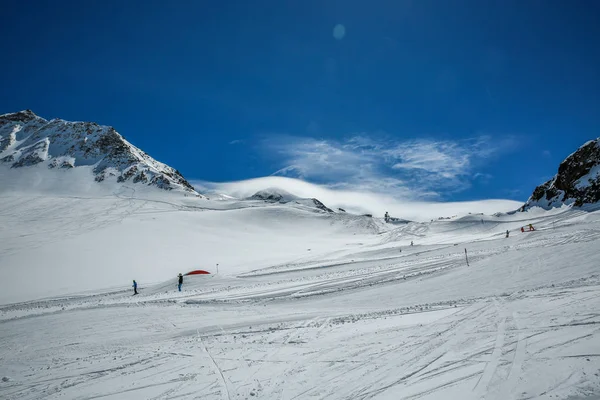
x,y
577,181
21,116
27,140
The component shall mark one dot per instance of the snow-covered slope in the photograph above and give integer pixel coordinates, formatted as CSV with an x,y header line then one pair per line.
x,y
79,242
27,140
305,305
577,181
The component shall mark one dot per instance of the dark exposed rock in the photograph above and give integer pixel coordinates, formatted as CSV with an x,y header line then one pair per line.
x,y
33,155
141,177
577,180
8,158
161,182
21,116
270,197
321,206
127,174
7,141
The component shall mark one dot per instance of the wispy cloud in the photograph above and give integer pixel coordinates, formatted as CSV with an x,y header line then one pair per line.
x,y
411,169
237,141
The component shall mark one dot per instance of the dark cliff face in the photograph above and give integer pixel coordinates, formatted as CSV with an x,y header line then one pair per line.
x,y
27,140
577,181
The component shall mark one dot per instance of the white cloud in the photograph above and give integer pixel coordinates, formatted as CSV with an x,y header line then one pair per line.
x,y
237,141
358,201
412,169
445,158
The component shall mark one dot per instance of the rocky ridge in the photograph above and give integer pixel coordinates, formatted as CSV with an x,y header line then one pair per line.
x,y
27,140
577,181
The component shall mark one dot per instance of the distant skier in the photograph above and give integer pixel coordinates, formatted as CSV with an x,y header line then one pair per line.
x,y
522,229
180,282
507,233
134,287
531,228
411,243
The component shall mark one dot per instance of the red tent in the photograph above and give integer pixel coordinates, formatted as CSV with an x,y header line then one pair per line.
x,y
198,272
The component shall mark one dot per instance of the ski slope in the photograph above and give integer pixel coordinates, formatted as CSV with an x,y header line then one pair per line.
x,y
306,305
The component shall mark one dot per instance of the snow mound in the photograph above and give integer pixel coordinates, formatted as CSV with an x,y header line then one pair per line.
x,y
275,195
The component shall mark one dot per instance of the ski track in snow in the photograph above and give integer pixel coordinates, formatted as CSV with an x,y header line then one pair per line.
x,y
352,319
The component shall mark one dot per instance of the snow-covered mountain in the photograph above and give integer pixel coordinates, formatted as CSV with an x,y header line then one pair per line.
x,y
28,140
577,181
275,195
290,281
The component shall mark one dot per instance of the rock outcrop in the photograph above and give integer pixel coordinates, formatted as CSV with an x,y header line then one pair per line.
x,y
577,181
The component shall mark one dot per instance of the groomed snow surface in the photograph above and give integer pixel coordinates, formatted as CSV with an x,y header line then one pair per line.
x,y
306,304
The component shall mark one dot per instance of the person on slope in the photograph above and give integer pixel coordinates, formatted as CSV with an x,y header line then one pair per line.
x,y
180,282
507,233
134,287
531,227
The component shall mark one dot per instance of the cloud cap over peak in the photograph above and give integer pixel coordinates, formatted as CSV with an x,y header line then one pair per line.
x,y
357,201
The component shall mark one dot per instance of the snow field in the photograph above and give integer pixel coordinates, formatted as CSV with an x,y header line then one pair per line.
x,y
351,318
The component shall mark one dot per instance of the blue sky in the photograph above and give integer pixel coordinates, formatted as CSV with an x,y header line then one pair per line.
x,y
447,100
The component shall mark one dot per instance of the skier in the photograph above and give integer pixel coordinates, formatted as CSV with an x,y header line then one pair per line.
x,y
180,282
507,233
522,229
134,287
531,227
411,242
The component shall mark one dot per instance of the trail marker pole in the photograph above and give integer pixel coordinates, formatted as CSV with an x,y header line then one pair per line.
x,y
217,269
466,257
